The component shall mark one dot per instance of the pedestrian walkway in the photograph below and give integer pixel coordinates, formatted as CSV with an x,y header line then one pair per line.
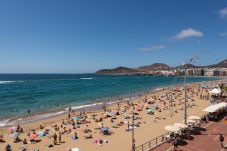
x,y
206,141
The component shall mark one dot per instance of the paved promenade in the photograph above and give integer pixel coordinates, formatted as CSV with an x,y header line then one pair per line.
x,y
206,141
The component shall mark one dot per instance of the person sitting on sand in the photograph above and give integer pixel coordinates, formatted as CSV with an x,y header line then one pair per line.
x,y
41,127
63,122
21,130
8,148
17,139
69,116
74,125
64,130
18,128
25,142
1,139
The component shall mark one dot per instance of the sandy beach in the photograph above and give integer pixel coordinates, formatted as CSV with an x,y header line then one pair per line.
x,y
118,118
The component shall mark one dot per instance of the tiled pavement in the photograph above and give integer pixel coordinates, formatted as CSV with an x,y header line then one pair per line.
x,y
206,141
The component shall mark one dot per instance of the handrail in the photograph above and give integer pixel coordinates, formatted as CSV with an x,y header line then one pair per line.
x,y
152,143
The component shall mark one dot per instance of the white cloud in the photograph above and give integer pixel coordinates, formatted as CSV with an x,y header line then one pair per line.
x,y
187,33
223,12
223,34
153,48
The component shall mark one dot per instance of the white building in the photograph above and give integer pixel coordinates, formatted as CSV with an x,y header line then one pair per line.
x,y
208,72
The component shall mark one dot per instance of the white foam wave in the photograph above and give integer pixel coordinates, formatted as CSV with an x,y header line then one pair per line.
x,y
4,123
86,78
83,106
7,82
3,82
10,122
42,116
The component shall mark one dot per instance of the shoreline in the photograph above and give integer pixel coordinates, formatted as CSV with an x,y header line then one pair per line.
x,y
90,107
148,129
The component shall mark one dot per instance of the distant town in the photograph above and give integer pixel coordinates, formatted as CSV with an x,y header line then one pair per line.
x,y
219,69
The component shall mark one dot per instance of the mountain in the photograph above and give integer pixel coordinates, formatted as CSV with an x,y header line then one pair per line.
x,y
155,66
222,64
125,70
118,70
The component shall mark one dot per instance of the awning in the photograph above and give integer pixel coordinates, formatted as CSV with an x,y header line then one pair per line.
x,y
215,107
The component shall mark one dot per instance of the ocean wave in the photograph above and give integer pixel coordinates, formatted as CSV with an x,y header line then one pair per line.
x,y
86,78
43,116
7,82
10,122
4,82
83,106
4,123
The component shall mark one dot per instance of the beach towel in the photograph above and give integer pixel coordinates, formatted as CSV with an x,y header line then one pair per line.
x,y
41,134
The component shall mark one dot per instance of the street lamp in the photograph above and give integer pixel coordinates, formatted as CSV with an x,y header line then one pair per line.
x,y
192,60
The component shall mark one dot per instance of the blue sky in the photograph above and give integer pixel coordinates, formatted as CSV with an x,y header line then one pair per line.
x,y
78,36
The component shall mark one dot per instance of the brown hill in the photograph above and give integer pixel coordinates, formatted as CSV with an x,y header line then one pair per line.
x,y
124,70
222,64
118,70
155,66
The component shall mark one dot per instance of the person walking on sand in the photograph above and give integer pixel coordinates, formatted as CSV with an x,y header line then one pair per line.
x,y
75,136
55,139
59,137
69,116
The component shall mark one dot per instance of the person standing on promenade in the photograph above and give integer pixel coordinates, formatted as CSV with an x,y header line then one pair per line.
x,y
221,139
175,144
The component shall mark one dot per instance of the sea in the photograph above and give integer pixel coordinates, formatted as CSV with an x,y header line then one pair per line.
x,y
28,97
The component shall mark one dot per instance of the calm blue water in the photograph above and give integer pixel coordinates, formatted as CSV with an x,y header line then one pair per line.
x,y
46,92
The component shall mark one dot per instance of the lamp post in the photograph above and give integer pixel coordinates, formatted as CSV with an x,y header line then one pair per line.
x,y
133,137
193,59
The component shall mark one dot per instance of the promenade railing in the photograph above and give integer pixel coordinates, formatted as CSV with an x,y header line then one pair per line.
x,y
148,146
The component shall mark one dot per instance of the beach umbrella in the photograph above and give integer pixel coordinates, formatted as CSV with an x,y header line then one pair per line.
x,y
180,125
149,110
211,108
33,136
215,91
194,118
104,129
15,135
40,134
172,128
190,121
75,149
76,118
